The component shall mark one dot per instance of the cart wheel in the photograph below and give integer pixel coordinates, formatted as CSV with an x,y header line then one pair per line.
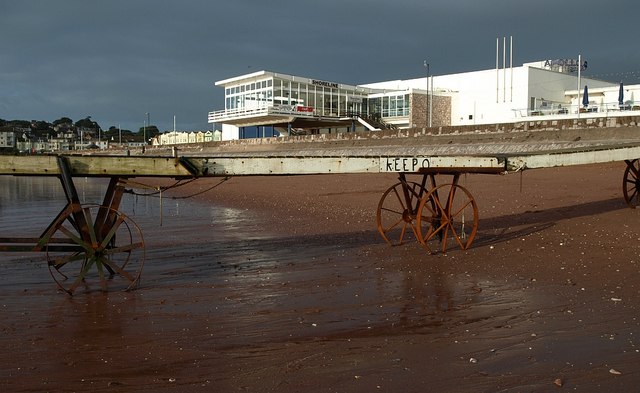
x,y
447,213
95,244
395,213
631,183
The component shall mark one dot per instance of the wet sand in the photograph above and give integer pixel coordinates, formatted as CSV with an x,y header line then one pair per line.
x,y
286,286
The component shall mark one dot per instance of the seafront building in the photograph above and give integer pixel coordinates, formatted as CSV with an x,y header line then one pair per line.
x,y
549,89
181,137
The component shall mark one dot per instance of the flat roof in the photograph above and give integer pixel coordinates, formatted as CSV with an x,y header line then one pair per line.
x,y
292,78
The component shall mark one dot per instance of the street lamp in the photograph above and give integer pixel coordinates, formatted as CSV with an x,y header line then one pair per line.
x,y
429,99
144,130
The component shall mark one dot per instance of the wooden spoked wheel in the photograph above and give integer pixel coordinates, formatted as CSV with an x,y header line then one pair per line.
x,y
95,245
631,183
448,214
397,211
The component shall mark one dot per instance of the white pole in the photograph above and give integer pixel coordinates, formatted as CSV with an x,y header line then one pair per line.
x,y
511,64
497,69
431,101
428,98
144,129
504,69
579,61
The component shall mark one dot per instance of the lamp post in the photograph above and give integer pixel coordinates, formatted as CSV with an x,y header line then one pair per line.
x,y
144,131
428,98
431,101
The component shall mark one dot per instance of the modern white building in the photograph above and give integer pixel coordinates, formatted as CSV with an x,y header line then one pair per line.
x,y
292,104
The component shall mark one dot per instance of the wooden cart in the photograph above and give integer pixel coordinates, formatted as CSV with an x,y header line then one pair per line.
x,y
100,245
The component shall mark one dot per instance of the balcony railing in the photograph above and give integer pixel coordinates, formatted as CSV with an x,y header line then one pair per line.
x,y
573,110
284,110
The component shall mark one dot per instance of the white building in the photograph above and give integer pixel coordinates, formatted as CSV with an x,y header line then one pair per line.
x,y
184,137
8,139
293,104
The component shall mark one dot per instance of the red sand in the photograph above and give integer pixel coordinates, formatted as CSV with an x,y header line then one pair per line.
x,y
300,294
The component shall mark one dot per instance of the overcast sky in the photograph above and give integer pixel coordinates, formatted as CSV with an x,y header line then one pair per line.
x,y
116,60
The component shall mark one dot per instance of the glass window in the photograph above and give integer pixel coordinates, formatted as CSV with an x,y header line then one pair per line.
x,y
277,92
407,105
311,97
342,107
335,102
375,107
294,94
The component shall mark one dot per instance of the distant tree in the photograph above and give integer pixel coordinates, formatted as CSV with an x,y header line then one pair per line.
x,y
41,125
87,123
42,129
63,120
19,123
114,133
118,130
150,132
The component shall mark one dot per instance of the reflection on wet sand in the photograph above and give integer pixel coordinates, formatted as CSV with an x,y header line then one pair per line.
x,y
227,303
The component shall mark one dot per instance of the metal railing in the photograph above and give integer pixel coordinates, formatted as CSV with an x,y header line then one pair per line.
x,y
573,110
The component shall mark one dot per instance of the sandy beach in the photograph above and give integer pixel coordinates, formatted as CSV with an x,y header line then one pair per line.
x,y
283,284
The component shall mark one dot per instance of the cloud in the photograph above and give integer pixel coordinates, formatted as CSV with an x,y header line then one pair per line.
x,y
117,60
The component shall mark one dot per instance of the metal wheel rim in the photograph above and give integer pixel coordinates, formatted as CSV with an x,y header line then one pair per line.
x,y
631,184
111,256
454,218
393,214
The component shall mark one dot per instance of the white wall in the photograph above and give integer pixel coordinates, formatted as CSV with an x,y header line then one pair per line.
x,y
490,96
487,96
230,132
477,97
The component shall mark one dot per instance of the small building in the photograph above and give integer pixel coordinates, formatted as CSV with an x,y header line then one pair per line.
x,y
7,138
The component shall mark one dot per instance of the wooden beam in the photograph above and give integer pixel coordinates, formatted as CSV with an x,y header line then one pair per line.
x,y
124,166
263,165
570,158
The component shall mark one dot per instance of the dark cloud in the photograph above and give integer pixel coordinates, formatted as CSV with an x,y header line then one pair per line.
x,y
117,60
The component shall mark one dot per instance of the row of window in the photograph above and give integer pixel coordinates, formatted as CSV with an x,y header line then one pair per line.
x,y
321,100
248,87
390,106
